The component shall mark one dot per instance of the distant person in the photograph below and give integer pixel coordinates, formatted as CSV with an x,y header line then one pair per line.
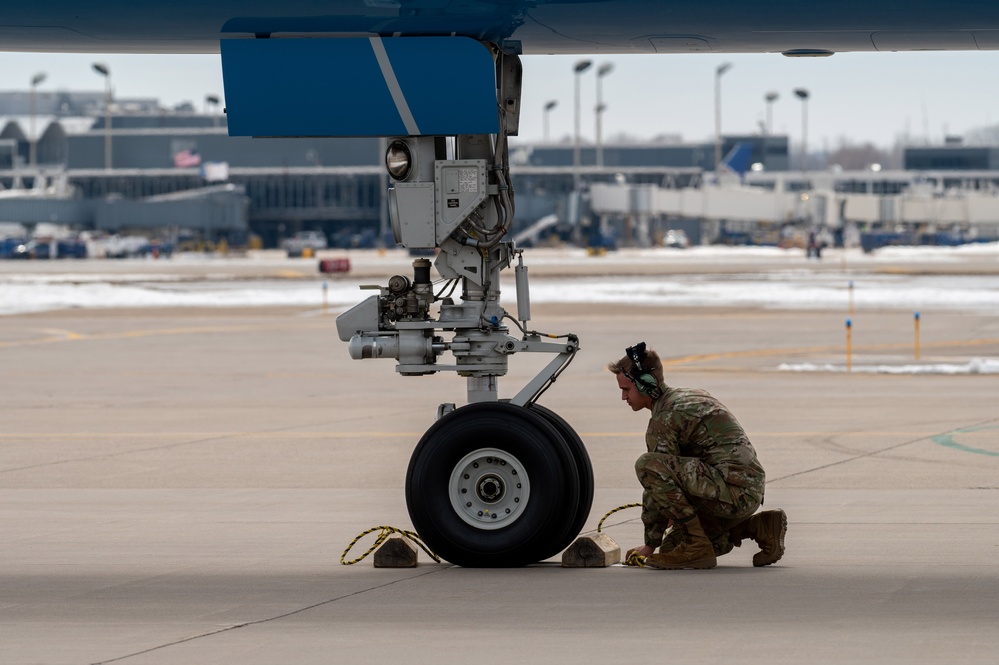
x,y
701,475
814,246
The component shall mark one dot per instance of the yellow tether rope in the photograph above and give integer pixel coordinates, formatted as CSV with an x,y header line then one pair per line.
x,y
627,505
634,559
386,531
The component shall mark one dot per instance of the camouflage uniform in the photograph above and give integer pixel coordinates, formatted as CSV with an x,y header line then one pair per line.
x,y
700,462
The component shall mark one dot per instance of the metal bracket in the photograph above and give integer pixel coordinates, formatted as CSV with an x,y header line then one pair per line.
x,y
548,375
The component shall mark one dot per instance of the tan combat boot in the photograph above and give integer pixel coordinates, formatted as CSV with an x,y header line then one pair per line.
x,y
694,551
767,529
673,538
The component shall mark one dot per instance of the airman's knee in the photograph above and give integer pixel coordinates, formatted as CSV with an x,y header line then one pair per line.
x,y
642,464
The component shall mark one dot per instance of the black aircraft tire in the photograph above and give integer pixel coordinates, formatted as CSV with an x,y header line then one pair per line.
x,y
584,469
517,460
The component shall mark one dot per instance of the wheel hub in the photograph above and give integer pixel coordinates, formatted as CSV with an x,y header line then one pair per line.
x,y
489,488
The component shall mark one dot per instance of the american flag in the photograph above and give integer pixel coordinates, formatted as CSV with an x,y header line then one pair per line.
x,y
186,159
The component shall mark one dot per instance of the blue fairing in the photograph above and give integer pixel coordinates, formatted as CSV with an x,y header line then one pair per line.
x,y
359,87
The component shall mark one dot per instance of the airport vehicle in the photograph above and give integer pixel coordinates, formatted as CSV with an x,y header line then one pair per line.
x,y
492,483
676,238
313,241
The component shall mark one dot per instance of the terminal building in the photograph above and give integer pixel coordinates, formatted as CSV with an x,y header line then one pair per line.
x,y
144,169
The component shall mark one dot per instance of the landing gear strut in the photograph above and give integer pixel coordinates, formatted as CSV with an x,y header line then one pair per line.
x,y
493,483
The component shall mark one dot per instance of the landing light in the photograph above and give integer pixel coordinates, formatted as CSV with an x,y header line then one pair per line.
x,y
398,160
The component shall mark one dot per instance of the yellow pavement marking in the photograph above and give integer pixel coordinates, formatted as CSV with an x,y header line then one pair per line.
x,y
55,336
58,332
708,357
58,336
182,435
757,435
388,435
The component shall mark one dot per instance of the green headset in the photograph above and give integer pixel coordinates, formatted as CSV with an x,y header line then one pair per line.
x,y
643,379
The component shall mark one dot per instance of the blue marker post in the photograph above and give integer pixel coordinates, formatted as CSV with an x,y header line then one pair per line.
x,y
916,321
849,345
326,288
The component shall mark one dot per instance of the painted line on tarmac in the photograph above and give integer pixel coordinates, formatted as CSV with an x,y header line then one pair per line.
x,y
385,435
203,435
947,440
56,336
985,424
189,440
760,435
839,348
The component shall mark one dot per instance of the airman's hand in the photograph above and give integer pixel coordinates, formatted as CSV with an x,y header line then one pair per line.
x,y
644,550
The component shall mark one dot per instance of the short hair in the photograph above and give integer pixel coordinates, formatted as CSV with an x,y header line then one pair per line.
x,y
652,365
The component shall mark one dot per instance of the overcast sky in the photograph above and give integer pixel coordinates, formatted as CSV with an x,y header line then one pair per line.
x,y
862,97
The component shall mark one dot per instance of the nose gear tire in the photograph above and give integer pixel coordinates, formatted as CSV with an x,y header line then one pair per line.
x,y
583,467
545,517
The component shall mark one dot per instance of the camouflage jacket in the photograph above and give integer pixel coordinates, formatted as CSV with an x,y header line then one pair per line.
x,y
688,422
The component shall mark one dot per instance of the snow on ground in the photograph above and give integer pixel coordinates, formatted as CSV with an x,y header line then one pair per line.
x,y
974,366
773,278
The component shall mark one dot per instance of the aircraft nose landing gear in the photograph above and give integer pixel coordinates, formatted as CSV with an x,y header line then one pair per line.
x,y
492,483
495,484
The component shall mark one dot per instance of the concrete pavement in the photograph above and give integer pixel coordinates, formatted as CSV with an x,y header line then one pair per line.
x,y
177,486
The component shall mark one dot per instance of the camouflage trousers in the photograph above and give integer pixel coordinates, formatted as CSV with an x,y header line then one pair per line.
x,y
680,488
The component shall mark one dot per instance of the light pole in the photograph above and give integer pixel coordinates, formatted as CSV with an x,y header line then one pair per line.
x,y
719,70
580,67
105,71
770,97
548,107
802,94
213,101
602,71
33,141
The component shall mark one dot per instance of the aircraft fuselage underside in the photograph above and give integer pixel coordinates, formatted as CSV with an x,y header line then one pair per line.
x,y
524,26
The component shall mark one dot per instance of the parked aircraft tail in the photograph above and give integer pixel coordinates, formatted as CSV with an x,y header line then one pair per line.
x,y
737,159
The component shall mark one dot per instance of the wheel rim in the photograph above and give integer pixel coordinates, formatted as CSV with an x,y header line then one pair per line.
x,y
489,489
529,444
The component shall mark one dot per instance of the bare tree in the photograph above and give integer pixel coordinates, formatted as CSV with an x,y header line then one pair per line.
x,y
857,157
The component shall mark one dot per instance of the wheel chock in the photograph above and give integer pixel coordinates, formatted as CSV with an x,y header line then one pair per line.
x,y
396,552
597,550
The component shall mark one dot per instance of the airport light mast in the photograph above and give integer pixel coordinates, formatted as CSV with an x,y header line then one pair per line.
x,y
580,67
548,107
105,71
602,71
213,101
719,71
770,98
33,143
802,94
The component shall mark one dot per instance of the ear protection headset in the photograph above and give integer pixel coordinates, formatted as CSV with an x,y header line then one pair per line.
x,y
641,377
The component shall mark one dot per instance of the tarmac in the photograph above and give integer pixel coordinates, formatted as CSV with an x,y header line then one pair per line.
x,y
178,486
